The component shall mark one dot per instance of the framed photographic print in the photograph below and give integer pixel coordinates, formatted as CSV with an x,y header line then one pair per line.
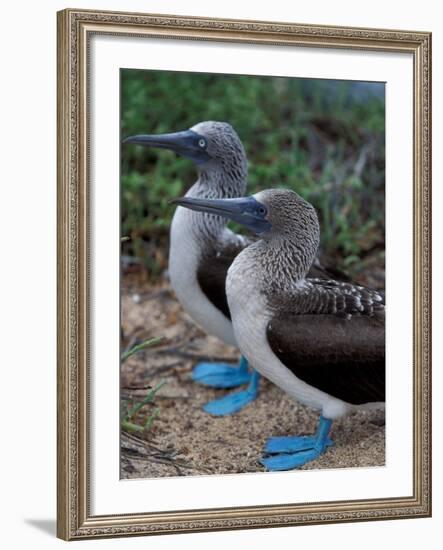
x,y
243,274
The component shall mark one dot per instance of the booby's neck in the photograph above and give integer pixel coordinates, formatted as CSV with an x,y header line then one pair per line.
x,y
213,183
194,236
222,180
277,265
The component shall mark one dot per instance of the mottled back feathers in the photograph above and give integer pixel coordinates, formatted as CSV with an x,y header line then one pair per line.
x,y
327,296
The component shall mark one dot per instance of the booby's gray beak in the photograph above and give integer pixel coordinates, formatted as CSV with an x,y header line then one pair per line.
x,y
188,143
246,211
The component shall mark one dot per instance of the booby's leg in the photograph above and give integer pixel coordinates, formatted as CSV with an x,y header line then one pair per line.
x,y
220,375
296,451
235,401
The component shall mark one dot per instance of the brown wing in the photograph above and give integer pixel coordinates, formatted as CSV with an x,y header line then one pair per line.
x,y
344,358
212,272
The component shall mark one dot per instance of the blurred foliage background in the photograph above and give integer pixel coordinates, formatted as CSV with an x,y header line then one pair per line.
x,y
323,138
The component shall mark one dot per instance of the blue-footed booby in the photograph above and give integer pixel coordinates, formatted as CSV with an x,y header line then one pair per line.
x,y
321,341
202,248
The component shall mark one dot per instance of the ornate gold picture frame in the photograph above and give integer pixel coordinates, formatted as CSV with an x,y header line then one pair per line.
x,y
75,31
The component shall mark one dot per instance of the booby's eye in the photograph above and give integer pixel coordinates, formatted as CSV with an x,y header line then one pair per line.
x,y
262,210
201,143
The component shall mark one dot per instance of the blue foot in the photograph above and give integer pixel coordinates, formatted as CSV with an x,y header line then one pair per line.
x,y
293,444
235,401
289,461
297,451
220,375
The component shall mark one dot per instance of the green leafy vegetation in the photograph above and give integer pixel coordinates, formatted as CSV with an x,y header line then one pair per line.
x,y
322,138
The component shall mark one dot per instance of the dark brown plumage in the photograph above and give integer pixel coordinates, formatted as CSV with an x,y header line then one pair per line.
x,y
211,276
342,357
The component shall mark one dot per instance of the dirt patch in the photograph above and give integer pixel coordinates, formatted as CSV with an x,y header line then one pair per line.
x,y
183,439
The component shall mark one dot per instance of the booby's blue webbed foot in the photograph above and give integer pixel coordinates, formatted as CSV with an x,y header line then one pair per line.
x,y
222,375
235,401
293,444
294,452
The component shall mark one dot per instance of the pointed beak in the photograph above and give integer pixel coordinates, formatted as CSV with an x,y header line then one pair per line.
x,y
186,143
175,142
246,211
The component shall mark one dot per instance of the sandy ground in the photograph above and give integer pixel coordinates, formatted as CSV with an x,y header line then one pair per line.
x,y
183,439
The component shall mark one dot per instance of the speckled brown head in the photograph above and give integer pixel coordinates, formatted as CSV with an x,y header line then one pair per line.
x,y
222,144
289,215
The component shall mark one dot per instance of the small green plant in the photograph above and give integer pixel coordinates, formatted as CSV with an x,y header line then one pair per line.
x,y
129,416
140,347
129,413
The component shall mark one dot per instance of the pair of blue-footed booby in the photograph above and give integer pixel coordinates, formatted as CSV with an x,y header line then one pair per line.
x,y
321,341
202,248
